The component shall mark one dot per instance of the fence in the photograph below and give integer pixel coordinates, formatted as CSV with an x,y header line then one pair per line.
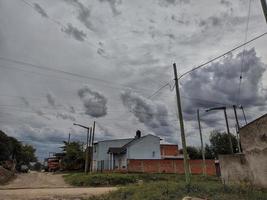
x,y
169,166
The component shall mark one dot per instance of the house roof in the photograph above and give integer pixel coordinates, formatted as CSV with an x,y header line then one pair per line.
x,y
116,150
119,150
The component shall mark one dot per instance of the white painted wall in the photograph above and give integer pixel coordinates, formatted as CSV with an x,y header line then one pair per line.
x,y
144,148
101,150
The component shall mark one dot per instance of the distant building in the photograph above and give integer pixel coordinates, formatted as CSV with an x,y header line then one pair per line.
x,y
114,154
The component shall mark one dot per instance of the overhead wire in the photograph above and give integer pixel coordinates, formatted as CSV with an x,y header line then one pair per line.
x,y
222,55
108,83
243,55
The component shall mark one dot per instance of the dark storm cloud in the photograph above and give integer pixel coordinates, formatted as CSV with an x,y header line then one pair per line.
x,y
74,32
65,116
226,3
95,103
51,99
153,115
219,82
45,134
113,5
25,101
40,10
173,2
84,13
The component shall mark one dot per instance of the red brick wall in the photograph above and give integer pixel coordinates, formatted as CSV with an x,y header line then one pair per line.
x,y
169,150
169,166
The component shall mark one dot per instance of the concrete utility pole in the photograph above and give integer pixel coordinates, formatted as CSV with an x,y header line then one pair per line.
x,y
87,146
227,125
92,151
237,130
264,8
178,99
204,168
241,107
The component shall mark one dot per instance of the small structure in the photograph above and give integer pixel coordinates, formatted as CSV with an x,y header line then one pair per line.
x,y
114,154
250,166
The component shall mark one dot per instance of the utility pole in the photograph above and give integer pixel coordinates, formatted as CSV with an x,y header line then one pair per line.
x,y
227,125
178,99
87,146
228,131
264,8
237,129
241,107
92,151
204,169
86,153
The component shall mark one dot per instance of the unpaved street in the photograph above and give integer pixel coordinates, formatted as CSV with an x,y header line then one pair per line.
x,y
45,186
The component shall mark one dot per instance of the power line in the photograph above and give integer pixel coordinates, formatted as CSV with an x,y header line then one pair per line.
x,y
55,21
243,55
64,72
222,55
158,90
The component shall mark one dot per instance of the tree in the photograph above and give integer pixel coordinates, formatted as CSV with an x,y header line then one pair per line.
x,y
74,156
11,148
209,154
193,152
219,143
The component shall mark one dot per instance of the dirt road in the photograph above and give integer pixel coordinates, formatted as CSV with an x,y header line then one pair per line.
x,y
45,186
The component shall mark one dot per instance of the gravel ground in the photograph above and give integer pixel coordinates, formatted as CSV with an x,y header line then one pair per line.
x,y
48,186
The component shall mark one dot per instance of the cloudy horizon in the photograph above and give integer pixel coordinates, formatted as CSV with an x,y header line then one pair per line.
x,y
80,61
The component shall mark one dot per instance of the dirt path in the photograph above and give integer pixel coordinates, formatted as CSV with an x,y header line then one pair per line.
x,y
37,180
46,186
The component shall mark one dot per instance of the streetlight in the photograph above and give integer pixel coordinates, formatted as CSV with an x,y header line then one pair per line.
x,y
86,152
227,125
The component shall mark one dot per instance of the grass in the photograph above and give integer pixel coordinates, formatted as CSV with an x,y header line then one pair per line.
x,y
164,187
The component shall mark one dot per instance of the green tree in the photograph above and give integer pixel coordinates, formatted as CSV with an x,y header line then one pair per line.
x,y
193,152
11,148
219,143
74,158
209,154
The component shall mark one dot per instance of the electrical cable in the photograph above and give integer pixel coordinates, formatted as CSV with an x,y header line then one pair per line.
x,y
222,55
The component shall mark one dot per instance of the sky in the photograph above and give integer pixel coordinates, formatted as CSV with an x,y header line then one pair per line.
x,y
77,61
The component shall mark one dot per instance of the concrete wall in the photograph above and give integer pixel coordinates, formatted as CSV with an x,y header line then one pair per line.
x,y
147,147
251,166
234,168
169,166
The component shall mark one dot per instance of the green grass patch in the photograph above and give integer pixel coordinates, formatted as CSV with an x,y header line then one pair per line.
x,y
164,187
169,190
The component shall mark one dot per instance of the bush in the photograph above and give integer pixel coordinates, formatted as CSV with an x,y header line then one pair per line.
x,y
100,179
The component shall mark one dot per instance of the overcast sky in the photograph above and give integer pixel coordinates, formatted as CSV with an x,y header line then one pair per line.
x,y
66,61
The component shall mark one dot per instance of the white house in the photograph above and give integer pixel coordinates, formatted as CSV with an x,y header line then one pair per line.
x,y
113,154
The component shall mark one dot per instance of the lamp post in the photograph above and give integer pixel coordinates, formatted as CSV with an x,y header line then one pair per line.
x,y
87,141
227,125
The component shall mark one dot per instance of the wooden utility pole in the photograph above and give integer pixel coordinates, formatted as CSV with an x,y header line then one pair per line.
x,y
86,153
241,107
204,168
264,8
228,131
178,99
92,150
237,129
